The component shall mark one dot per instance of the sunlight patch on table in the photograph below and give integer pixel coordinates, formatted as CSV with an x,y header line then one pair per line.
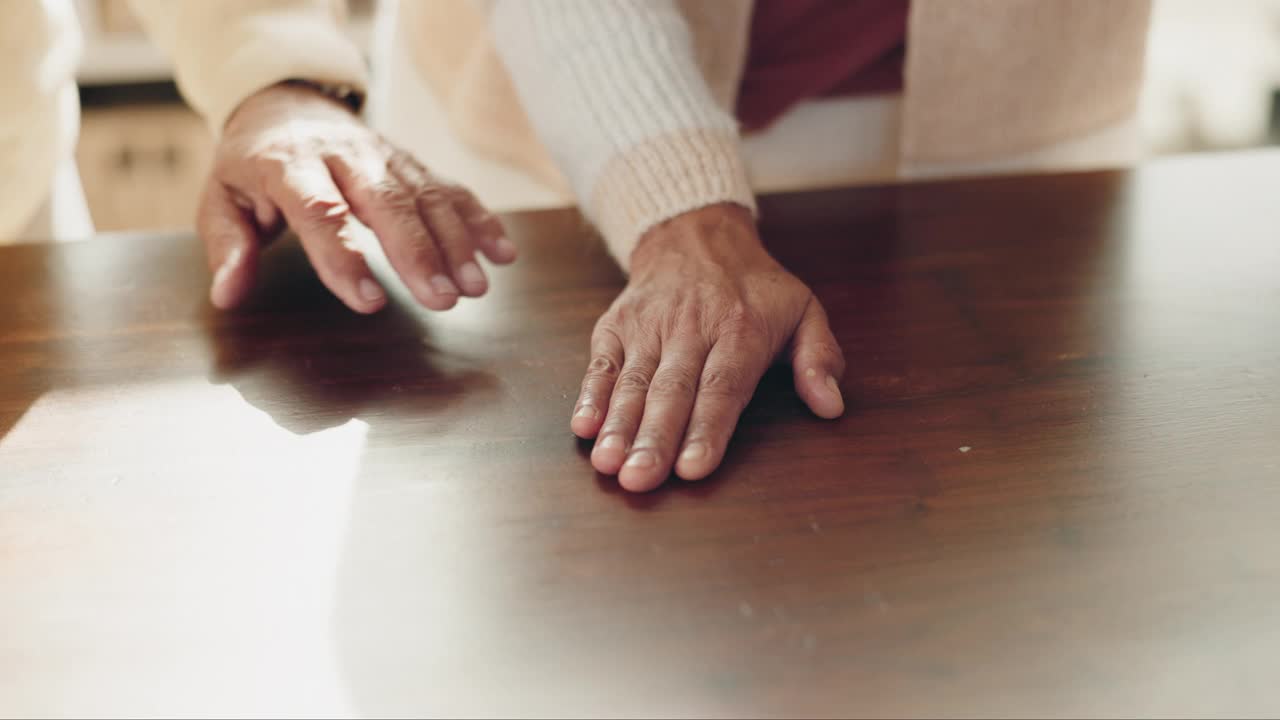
x,y
200,579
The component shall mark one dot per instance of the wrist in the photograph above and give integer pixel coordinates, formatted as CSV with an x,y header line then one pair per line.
x,y
341,93
724,234
291,94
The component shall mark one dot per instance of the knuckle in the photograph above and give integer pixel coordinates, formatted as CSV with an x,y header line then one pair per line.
x,y
324,212
743,324
750,336
343,262
397,161
606,331
270,163
723,381
454,190
334,274
618,423
823,351
467,203
701,430
712,431
454,240
392,196
419,252
602,367
634,380
673,384
402,159
828,349
435,194
655,439
738,314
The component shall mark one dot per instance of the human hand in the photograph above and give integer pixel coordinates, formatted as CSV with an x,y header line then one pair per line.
x,y
292,155
678,355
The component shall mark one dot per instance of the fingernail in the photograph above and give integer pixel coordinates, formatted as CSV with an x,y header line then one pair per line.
x,y
505,246
442,285
587,411
695,451
228,264
641,459
471,277
609,442
835,386
370,291
218,288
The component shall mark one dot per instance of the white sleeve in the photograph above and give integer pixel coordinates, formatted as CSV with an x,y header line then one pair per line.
x,y
39,51
615,92
223,51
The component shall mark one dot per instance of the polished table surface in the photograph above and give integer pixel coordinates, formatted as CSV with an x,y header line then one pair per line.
x,y
1056,490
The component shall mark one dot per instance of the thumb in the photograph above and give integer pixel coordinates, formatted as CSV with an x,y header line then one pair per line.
x,y
817,363
231,245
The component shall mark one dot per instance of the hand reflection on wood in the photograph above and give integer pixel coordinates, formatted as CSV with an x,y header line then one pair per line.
x,y
294,352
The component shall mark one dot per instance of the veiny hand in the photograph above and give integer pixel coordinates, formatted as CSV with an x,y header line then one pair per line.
x,y
290,154
677,356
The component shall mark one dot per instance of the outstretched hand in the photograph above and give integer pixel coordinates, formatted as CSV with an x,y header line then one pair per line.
x,y
292,155
678,355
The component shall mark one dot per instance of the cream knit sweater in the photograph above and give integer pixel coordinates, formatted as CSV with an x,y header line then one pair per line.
x,y
223,50
39,49
615,91
630,100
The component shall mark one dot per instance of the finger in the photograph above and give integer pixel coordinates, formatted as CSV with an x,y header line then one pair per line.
x,y
626,406
817,363
315,209
487,230
453,238
597,385
389,206
666,413
231,245
729,377
264,213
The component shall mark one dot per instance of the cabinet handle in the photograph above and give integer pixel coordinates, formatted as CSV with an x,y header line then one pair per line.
x,y
129,158
125,158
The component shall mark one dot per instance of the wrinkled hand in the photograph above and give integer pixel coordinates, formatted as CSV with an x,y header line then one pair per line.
x,y
677,356
291,155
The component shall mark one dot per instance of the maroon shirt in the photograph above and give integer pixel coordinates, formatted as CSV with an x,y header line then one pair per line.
x,y
802,49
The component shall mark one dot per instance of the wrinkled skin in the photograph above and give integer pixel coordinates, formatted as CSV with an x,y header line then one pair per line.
x,y
678,355
674,360
292,155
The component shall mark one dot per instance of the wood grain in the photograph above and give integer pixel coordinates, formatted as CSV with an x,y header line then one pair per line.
x,y
1055,493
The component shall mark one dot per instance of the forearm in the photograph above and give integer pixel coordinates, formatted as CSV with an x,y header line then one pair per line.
x,y
615,91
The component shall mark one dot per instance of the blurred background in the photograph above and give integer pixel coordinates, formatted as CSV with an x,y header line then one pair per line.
x,y
1213,83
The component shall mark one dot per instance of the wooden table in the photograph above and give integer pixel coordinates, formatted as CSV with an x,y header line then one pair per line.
x,y
1056,491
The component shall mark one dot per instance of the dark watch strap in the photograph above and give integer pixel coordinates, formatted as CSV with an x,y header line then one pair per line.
x,y
343,93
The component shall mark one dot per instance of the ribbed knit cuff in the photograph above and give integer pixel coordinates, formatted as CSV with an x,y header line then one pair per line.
x,y
662,178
